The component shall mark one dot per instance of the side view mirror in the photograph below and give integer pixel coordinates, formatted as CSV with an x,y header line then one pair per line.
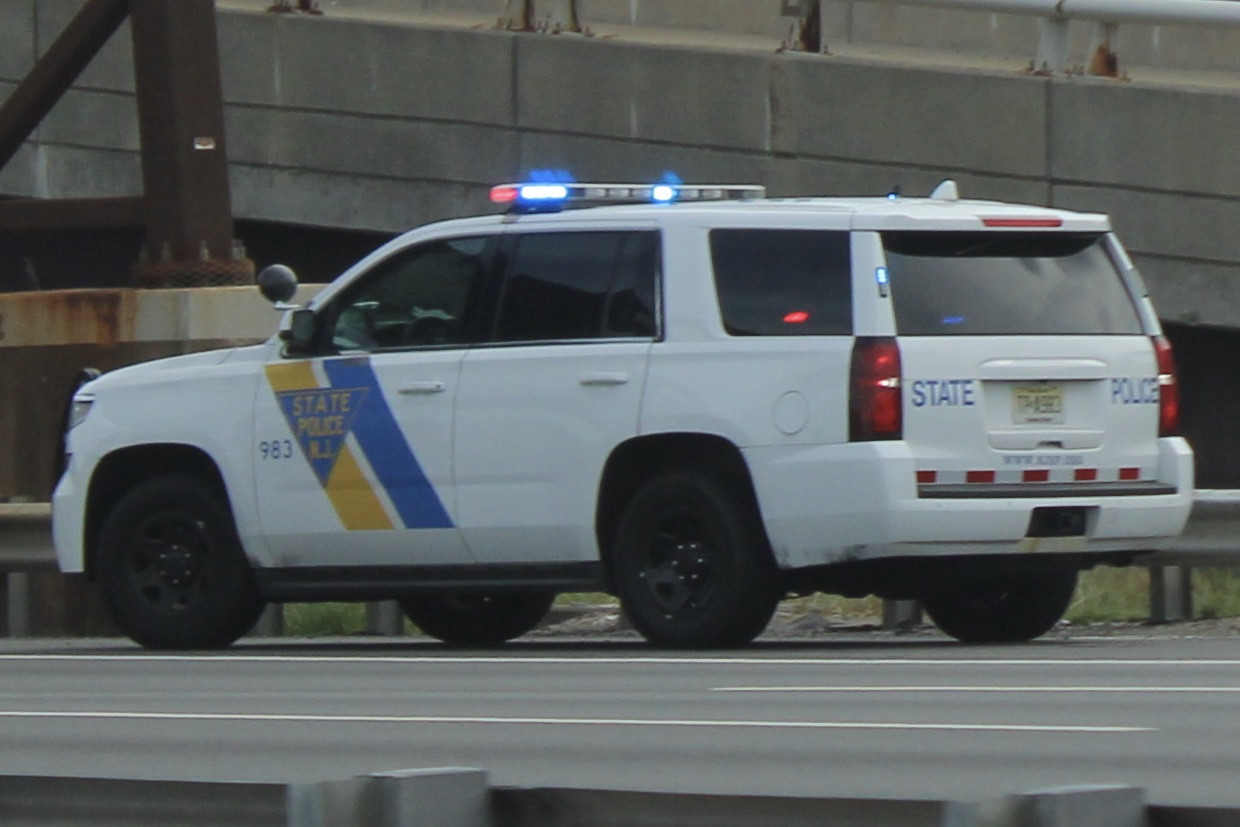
x,y
300,334
278,284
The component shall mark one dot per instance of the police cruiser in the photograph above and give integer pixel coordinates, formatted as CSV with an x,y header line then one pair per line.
x,y
700,403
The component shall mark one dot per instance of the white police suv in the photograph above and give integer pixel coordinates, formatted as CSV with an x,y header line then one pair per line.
x,y
701,404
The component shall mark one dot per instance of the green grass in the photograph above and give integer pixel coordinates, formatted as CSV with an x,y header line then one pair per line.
x,y
1104,595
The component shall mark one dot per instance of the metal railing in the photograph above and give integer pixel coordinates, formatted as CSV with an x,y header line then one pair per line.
x,y
1053,51
1212,538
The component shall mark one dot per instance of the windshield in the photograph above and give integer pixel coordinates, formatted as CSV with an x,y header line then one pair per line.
x,y
996,283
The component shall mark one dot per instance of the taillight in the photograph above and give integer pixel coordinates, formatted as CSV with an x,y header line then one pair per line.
x,y
1168,389
875,409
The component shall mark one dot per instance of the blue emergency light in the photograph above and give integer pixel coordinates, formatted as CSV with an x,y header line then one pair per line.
x,y
535,196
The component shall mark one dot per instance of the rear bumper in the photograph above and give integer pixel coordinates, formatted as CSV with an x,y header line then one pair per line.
x,y
839,503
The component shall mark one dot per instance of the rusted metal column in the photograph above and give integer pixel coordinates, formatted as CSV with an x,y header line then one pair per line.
x,y
190,239
806,34
522,16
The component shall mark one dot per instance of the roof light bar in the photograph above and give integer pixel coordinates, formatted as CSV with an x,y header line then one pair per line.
x,y
537,195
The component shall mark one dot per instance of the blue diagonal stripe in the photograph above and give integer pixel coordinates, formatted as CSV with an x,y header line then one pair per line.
x,y
385,448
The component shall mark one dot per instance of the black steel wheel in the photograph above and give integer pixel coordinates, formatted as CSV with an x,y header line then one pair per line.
x,y
171,569
691,564
1002,610
469,619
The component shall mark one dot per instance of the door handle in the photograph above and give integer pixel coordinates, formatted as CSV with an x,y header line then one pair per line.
x,y
421,388
592,379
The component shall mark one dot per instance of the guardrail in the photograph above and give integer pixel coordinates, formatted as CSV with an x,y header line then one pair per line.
x,y
1211,538
459,797
1053,51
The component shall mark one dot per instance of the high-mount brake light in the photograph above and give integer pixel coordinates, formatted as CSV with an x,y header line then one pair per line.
x,y
1022,223
1168,389
538,196
875,406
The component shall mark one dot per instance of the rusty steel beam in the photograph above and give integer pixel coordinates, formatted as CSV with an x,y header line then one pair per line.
x,y
21,214
184,166
55,70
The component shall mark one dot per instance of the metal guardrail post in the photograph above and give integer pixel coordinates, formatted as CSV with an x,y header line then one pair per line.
x,y
385,618
1171,593
447,797
901,615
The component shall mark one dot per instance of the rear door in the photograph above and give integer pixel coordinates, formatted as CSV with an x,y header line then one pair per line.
x,y
557,387
1027,368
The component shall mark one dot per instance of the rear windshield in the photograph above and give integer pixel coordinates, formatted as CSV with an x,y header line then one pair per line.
x,y
996,283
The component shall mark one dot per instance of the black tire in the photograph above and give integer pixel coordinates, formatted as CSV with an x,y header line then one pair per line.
x,y
467,619
691,564
171,569
1010,610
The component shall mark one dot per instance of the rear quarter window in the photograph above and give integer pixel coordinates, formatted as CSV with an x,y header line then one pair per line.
x,y
996,283
783,282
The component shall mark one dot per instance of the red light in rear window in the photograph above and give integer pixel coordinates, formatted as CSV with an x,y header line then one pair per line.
x,y
796,317
1022,222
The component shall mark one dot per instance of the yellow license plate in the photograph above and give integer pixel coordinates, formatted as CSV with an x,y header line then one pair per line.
x,y
1040,404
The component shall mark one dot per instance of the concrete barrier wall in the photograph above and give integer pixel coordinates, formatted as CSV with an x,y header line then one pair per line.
x,y
369,118
462,797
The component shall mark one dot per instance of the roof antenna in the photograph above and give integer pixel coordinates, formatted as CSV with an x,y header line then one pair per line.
x,y
946,191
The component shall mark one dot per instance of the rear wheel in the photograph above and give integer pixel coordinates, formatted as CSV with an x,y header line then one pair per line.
x,y
466,619
691,564
171,570
1006,610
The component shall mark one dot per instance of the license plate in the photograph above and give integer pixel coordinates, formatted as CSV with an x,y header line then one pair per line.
x,y
1037,404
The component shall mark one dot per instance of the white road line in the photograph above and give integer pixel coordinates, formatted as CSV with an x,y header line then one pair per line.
x,y
619,722
537,660
1031,689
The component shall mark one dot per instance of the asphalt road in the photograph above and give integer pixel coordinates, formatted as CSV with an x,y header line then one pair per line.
x,y
863,715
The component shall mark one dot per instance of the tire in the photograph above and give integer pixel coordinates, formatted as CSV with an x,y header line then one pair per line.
x,y
465,619
691,564
171,569
1009,610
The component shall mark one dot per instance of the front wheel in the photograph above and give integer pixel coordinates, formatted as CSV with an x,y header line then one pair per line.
x,y
171,570
691,564
1003,610
465,619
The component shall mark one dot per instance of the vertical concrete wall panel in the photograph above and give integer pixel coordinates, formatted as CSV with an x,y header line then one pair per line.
x,y
82,171
16,39
589,86
1169,138
102,120
616,159
392,69
882,113
369,146
347,201
111,69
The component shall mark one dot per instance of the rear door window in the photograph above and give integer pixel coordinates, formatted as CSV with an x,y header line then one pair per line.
x,y
580,286
783,282
997,283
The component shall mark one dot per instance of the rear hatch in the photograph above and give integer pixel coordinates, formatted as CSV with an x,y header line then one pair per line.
x,y
1027,370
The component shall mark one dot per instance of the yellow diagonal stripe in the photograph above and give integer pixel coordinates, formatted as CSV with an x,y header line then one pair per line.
x,y
353,497
291,376
350,494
